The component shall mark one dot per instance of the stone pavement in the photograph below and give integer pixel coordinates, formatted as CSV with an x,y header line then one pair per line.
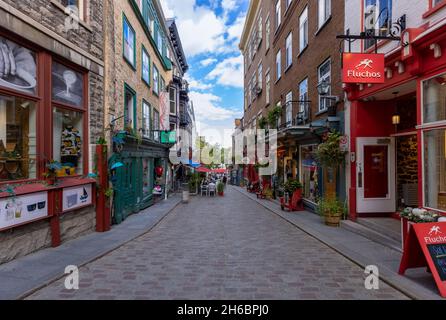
x,y
221,248
417,283
24,275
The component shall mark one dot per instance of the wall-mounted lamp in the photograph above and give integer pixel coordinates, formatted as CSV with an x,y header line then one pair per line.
x,y
396,119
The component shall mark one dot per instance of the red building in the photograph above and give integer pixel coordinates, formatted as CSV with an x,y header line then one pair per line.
x,y
398,128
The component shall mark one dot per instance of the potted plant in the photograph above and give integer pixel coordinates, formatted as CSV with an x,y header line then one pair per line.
x,y
221,189
292,186
332,210
51,171
263,122
273,116
410,216
329,153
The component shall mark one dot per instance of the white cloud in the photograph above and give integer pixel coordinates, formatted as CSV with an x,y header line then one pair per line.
x,y
208,62
228,72
196,84
206,107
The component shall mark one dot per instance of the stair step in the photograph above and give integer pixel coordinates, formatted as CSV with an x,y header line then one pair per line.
x,y
372,235
385,226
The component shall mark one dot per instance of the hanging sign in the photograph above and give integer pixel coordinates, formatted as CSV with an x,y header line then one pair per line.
x,y
426,247
363,68
77,197
22,209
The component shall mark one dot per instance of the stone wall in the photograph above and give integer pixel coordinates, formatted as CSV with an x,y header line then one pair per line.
x,y
407,162
77,224
27,239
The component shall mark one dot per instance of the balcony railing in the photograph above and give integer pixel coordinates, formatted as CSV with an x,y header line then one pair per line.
x,y
300,115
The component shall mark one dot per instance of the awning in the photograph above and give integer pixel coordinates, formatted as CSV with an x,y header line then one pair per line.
x,y
203,170
220,171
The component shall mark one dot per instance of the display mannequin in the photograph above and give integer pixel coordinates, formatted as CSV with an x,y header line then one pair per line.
x,y
71,146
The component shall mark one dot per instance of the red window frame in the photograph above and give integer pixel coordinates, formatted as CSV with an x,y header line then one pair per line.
x,y
433,9
45,105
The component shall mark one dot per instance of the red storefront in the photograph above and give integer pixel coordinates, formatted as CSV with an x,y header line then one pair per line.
x,y
398,130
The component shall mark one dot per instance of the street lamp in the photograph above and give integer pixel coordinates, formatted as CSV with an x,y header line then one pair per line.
x,y
323,88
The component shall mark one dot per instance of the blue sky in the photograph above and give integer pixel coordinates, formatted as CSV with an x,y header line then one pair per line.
x,y
210,31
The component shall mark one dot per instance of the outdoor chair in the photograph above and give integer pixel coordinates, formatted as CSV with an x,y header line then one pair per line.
x,y
204,189
212,190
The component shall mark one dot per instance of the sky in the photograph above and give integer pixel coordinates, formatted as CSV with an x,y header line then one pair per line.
x,y
210,32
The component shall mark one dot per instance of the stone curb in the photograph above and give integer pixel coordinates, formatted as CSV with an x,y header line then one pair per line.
x,y
80,261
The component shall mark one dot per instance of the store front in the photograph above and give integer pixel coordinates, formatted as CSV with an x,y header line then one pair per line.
x,y
398,132
44,148
141,179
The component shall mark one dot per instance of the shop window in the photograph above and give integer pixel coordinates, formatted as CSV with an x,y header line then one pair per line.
x,y
68,86
434,95
310,173
145,66
324,74
435,169
68,140
129,39
18,68
18,140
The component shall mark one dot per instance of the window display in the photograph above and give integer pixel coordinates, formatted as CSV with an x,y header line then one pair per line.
x,y
18,68
17,139
310,173
68,85
435,169
434,108
67,141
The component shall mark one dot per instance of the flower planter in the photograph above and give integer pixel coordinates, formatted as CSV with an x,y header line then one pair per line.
x,y
333,220
221,194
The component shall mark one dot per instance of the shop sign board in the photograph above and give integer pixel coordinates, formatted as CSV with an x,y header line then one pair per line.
x,y
363,68
22,209
77,197
344,144
426,247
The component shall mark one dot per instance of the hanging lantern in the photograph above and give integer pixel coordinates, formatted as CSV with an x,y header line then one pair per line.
x,y
159,171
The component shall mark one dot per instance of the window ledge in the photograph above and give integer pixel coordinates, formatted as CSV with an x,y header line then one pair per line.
x,y
434,10
302,51
58,5
323,25
277,81
288,68
321,112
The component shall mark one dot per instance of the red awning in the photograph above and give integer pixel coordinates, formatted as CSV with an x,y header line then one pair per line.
x,y
219,171
203,170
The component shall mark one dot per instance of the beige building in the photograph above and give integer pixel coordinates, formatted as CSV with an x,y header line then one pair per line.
x,y
138,73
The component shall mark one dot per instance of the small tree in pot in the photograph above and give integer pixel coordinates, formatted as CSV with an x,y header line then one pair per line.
x,y
221,189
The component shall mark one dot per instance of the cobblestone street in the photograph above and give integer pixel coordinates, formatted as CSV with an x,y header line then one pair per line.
x,y
221,248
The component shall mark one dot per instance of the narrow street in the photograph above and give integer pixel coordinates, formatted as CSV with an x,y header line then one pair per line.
x,y
221,248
